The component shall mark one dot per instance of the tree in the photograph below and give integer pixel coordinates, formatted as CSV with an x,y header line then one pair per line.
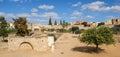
x,y
98,36
64,24
74,29
3,27
21,26
50,21
61,22
55,23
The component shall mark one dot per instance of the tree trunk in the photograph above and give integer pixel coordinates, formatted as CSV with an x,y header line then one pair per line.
x,y
96,43
97,47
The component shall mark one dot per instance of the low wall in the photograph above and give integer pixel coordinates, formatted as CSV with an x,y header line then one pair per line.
x,y
38,44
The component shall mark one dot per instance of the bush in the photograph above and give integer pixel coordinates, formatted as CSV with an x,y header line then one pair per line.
x,y
51,30
62,30
29,30
79,31
74,30
42,30
11,30
116,30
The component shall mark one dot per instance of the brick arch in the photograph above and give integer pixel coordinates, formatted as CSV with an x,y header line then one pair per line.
x,y
26,43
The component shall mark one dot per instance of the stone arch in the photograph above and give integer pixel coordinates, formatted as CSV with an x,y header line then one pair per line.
x,y
26,43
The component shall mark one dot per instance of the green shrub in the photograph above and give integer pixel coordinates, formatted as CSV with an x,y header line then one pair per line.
x,y
42,30
11,30
78,32
74,30
51,30
62,30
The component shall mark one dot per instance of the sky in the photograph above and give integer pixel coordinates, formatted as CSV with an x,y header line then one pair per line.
x,y
39,11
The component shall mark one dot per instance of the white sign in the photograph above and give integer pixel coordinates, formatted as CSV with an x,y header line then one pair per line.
x,y
51,42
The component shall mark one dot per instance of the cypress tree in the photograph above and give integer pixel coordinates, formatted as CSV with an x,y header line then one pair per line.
x,y
50,21
55,23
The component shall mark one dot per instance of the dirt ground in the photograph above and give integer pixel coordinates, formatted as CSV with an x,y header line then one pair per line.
x,y
68,45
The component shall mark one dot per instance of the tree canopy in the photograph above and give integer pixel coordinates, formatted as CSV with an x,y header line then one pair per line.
x,y
74,29
50,21
61,22
21,26
64,24
98,36
3,27
55,23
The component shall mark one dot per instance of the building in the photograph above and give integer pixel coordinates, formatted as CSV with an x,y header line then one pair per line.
x,y
94,24
77,23
116,21
109,22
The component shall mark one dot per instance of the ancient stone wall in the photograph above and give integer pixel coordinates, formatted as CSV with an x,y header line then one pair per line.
x,y
116,21
38,44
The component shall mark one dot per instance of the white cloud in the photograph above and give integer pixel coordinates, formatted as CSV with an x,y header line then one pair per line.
x,y
115,8
35,14
73,17
110,17
45,15
44,20
34,10
15,0
24,15
50,14
21,1
89,16
10,15
1,0
6,14
100,6
2,14
33,17
76,13
46,7
77,4
93,6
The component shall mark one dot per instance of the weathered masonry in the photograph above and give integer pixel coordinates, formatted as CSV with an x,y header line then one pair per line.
x,y
38,44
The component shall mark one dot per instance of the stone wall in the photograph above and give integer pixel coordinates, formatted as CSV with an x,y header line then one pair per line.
x,y
116,21
38,44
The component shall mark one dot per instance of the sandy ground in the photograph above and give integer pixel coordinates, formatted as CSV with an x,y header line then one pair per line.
x,y
67,45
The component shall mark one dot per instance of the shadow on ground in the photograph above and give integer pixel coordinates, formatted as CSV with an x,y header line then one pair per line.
x,y
4,40
88,49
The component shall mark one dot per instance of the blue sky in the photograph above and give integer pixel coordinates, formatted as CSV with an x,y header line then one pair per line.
x,y
39,11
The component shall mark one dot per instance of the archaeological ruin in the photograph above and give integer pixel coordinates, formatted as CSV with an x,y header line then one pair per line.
x,y
42,43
